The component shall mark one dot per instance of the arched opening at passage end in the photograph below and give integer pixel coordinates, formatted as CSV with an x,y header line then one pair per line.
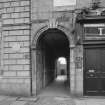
x,y
52,45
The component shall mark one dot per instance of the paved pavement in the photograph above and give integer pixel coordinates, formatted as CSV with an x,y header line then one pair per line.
x,y
55,94
90,101
51,100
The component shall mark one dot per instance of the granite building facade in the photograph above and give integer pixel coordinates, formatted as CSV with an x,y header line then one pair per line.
x,y
33,34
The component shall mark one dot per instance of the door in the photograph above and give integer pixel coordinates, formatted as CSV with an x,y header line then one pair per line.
x,y
94,70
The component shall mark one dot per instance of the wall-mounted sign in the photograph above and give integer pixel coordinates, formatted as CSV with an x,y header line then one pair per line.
x,y
64,2
78,62
94,29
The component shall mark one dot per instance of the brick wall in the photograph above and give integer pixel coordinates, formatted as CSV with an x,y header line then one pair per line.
x,y
15,71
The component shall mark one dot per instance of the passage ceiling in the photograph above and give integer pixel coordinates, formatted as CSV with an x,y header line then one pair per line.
x,y
57,41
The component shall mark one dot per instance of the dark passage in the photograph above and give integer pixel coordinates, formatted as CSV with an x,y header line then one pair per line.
x,y
51,45
56,88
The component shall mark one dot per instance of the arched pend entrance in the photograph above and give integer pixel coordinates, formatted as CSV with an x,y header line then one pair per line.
x,y
50,45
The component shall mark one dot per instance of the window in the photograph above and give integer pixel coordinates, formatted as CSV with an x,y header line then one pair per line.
x,y
64,2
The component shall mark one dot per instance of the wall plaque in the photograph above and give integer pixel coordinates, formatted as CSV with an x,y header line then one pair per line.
x,y
78,62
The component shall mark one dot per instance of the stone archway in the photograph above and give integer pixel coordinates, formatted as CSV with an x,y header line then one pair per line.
x,y
62,28
71,62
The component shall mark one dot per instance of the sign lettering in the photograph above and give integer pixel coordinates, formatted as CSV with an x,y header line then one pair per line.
x,y
100,31
94,29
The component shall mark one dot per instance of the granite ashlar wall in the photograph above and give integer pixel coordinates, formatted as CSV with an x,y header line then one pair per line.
x,y
15,51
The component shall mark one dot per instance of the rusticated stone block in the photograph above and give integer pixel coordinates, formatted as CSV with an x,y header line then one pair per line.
x,y
23,73
9,73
